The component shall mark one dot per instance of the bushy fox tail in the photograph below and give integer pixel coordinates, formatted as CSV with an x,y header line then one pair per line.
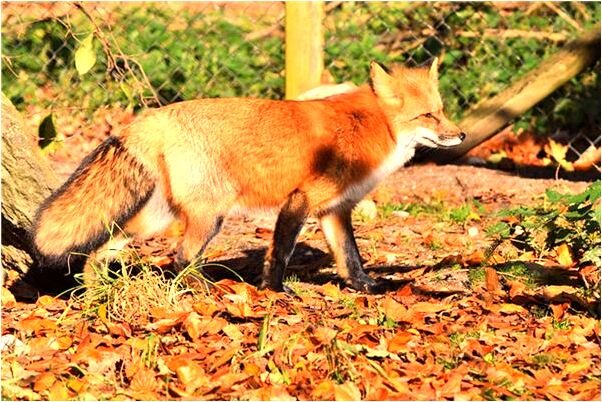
x,y
106,190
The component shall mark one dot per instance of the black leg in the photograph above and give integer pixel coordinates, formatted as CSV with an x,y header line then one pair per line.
x,y
338,231
289,224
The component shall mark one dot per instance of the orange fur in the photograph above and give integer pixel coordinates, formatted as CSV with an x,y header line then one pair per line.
x,y
204,158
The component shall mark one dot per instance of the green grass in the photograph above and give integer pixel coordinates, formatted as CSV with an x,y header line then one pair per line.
x,y
471,210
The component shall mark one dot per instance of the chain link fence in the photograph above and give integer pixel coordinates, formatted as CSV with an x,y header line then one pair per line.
x,y
153,54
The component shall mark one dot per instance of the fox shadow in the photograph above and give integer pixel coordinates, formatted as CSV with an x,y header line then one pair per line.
x,y
308,264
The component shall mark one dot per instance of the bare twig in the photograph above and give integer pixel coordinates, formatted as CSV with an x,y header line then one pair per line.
x,y
515,33
112,58
564,15
581,8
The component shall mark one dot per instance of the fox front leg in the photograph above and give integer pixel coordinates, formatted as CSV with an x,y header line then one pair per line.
x,y
289,224
338,231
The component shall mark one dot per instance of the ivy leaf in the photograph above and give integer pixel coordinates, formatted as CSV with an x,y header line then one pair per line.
x,y
46,131
85,58
558,152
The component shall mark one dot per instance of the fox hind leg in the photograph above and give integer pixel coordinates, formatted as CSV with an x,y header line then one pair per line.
x,y
338,231
96,264
199,232
288,225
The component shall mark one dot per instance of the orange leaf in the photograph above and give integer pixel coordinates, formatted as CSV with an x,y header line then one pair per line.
x,y
44,381
347,392
558,310
233,332
507,308
144,381
399,343
395,310
205,308
324,335
492,282
8,300
58,392
474,258
324,391
166,324
191,375
36,325
563,255
196,326
589,158
573,368
77,384
426,307
516,288
44,301
332,291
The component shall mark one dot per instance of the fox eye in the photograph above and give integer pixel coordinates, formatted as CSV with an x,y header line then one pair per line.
x,y
428,115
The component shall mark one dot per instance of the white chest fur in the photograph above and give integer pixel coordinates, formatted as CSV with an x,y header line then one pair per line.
x,y
402,153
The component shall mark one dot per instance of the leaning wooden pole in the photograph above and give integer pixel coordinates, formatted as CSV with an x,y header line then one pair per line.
x,y
304,41
491,115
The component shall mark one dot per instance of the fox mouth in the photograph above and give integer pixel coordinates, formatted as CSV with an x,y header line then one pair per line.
x,y
430,139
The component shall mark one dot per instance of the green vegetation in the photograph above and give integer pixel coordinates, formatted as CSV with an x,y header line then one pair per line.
x,y
471,210
474,65
571,220
184,54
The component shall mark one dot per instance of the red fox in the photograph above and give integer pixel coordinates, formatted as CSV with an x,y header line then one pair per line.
x,y
201,159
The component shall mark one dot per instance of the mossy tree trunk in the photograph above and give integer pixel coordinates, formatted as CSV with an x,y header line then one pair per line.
x,y
27,180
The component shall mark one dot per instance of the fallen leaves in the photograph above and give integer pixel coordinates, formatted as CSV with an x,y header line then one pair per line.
x,y
435,333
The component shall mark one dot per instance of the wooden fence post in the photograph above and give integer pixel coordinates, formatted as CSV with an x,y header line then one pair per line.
x,y
304,42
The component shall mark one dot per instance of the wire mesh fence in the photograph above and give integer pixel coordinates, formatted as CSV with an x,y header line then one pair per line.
x,y
157,53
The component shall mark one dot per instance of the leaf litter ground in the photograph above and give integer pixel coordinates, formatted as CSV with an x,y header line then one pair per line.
x,y
453,321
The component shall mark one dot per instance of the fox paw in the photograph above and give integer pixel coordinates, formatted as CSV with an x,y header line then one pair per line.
x,y
363,283
282,288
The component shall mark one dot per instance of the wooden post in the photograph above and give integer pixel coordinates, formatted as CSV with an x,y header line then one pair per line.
x,y
491,115
304,41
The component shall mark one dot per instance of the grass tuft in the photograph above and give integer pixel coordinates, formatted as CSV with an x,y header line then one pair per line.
x,y
137,292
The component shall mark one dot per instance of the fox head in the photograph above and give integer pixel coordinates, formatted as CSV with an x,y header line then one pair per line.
x,y
410,99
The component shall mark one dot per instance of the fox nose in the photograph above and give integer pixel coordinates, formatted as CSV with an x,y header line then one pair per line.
x,y
462,136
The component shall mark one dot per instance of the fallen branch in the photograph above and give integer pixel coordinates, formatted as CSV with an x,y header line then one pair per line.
x,y
491,115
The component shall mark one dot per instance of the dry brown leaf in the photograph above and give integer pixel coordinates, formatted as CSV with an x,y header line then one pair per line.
x,y
517,288
166,324
399,343
558,310
553,291
190,374
508,308
144,384
395,310
347,391
58,392
429,308
8,300
44,381
492,281
563,255
331,291
572,368
324,335
588,159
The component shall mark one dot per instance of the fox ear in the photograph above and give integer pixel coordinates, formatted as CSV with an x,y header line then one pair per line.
x,y
434,71
384,85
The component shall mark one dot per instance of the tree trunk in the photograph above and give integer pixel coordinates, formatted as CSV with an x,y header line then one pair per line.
x,y
27,180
